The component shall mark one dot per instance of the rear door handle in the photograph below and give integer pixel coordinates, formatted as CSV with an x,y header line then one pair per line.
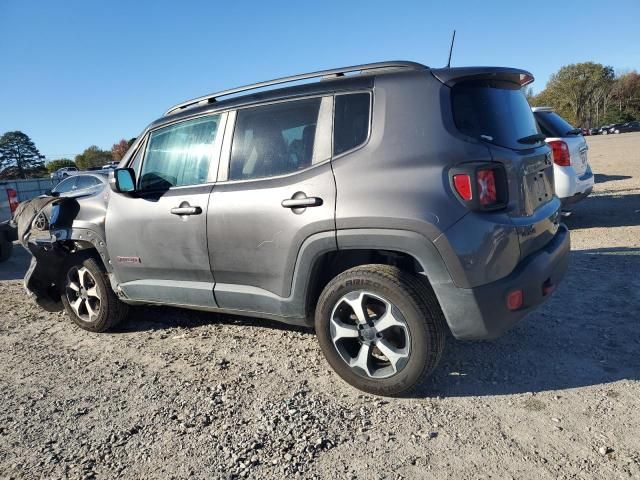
x,y
303,202
186,210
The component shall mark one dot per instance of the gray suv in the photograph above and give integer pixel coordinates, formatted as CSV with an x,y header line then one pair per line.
x,y
385,204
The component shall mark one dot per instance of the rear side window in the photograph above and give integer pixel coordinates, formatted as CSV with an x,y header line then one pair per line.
x,y
274,139
85,181
351,121
553,125
493,111
66,185
179,154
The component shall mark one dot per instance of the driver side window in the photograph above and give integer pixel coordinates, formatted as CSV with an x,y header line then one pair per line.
x,y
179,154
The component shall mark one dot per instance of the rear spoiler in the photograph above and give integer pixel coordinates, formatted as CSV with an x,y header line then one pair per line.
x,y
451,76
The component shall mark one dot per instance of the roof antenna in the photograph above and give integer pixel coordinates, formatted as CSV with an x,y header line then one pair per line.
x,y
453,39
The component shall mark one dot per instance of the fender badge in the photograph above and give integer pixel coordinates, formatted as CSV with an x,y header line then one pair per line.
x,y
129,260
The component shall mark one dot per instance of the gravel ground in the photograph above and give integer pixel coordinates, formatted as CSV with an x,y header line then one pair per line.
x,y
176,394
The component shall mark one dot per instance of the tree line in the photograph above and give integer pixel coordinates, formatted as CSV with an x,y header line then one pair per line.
x,y
591,95
20,158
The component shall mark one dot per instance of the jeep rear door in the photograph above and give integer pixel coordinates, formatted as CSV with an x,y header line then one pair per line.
x,y
275,189
156,237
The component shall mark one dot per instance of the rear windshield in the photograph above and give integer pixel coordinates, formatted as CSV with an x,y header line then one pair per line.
x,y
553,125
493,111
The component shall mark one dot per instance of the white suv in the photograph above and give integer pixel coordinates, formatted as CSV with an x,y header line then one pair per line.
x,y
63,173
573,177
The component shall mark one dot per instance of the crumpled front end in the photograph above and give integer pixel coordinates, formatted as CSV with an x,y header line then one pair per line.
x,y
52,230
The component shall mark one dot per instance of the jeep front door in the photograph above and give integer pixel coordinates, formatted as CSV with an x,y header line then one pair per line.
x,y
156,237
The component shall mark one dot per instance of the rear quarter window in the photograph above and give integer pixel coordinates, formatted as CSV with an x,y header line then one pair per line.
x,y
351,121
493,111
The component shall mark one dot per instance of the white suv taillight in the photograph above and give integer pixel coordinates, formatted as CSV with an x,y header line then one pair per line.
x,y
12,195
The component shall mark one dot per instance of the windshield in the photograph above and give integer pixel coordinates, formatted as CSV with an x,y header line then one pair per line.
x,y
553,125
494,111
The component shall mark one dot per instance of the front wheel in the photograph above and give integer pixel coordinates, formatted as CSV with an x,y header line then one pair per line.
x,y
380,328
88,298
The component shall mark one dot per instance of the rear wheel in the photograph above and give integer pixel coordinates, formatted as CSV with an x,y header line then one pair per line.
x,y
88,298
380,328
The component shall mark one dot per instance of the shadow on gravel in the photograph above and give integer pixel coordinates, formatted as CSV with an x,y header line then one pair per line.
x,y
605,211
603,178
587,334
146,318
17,265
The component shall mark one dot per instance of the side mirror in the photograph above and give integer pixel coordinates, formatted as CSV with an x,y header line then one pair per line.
x,y
123,180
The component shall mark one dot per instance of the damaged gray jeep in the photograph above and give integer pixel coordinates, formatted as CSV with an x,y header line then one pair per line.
x,y
385,204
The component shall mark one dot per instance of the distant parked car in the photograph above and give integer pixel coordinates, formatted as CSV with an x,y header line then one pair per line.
x,y
110,166
594,131
628,127
63,173
614,128
81,184
572,174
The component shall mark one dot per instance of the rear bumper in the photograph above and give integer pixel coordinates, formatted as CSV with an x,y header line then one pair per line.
x,y
482,313
570,187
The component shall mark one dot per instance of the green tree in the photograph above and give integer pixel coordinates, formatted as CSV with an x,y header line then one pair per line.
x,y
19,154
577,92
54,165
625,98
93,157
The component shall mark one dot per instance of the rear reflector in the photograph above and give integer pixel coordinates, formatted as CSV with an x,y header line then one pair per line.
x,y
514,300
561,155
487,187
548,287
462,183
12,195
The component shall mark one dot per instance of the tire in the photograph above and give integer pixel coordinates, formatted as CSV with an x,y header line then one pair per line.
x,y
88,298
6,247
413,335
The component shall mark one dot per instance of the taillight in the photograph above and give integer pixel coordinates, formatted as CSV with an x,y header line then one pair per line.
x,y
12,195
462,184
480,185
561,155
486,187
515,299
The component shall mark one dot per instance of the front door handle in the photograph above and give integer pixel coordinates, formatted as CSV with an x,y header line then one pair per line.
x,y
303,202
186,210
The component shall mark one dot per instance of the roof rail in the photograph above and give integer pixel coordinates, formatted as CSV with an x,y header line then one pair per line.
x,y
336,72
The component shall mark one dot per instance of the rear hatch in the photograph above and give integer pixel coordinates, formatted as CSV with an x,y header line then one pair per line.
x,y
490,107
554,127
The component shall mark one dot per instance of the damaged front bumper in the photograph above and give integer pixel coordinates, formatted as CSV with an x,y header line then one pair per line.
x,y
48,258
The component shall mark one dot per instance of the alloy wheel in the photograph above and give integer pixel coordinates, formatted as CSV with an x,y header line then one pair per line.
x,y
82,294
370,334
